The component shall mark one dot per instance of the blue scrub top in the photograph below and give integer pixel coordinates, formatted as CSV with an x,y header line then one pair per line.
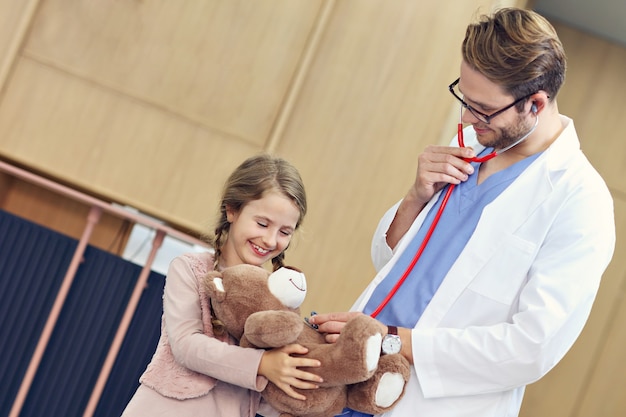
x,y
455,227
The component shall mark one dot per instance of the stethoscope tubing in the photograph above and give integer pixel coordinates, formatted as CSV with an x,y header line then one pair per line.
x,y
444,202
418,254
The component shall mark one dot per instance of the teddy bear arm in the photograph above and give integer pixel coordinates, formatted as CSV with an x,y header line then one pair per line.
x,y
354,358
270,329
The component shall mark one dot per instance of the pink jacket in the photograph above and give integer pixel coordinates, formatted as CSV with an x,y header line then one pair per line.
x,y
182,363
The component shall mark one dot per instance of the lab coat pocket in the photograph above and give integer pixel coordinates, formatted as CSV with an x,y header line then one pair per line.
x,y
502,276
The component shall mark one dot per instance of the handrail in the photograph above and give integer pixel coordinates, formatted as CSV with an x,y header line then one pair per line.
x,y
92,201
97,207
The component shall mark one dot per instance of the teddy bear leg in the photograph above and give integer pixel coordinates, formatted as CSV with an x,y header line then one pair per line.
x,y
390,387
382,391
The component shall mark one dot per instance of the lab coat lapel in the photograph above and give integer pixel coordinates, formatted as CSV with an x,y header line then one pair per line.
x,y
500,219
510,210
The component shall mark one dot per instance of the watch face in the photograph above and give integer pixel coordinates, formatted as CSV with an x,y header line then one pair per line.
x,y
391,344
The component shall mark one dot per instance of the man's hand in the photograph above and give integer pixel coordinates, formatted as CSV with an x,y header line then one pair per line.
x,y
331,324
438,166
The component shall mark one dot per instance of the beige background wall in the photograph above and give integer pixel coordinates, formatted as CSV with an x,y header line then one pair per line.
x,y
153,103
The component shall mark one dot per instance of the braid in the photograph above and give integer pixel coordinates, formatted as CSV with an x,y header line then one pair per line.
x,y
278,261
221,232
219,329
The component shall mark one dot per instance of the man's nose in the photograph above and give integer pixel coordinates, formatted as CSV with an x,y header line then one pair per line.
x,y
468,117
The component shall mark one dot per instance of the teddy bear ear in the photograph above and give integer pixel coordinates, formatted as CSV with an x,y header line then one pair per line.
x,y
214,286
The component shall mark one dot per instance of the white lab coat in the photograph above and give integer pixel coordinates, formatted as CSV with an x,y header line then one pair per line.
x,y
518,295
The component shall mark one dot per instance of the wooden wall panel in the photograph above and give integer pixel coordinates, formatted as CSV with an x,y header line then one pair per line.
x,y
11,13
225,64
14,19
95,99
134,153
604,394
593,96
170,95
376,94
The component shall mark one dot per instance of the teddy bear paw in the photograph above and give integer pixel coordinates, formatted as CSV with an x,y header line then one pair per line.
x,y
372,351
389,389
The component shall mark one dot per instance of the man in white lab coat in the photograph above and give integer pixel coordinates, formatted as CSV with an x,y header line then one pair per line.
x,y
502,285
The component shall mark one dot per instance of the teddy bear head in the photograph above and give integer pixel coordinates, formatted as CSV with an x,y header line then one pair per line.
x,y
242,290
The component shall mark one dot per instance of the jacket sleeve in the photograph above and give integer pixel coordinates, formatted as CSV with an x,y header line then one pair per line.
x,y
380,251
191,347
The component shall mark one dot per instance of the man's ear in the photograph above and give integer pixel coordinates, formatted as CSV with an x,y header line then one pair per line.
x,y
538,102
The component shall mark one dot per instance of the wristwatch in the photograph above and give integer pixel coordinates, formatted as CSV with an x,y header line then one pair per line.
x,y
391,341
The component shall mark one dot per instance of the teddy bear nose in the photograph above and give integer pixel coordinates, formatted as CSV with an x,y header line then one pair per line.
x,y
289,286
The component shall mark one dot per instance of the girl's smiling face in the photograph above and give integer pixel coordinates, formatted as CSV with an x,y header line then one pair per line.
x,y
261,230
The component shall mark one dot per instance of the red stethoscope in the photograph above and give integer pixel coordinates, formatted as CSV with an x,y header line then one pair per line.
x,y
481,159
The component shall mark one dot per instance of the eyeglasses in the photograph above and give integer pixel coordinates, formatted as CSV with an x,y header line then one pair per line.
x,y
485,118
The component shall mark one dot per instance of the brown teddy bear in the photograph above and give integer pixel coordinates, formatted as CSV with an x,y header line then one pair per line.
x,y
261,310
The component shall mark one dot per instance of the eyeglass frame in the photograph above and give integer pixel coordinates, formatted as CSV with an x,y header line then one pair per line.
x,y
485,118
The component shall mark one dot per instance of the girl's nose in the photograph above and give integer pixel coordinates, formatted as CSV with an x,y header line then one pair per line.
x,y
269,239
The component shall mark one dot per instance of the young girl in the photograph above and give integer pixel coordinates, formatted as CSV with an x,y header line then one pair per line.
x,y
195,370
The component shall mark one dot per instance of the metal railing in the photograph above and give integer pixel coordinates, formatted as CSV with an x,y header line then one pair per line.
x,y
95,213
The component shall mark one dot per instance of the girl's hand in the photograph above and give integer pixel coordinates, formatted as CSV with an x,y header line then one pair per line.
x,y
278,366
